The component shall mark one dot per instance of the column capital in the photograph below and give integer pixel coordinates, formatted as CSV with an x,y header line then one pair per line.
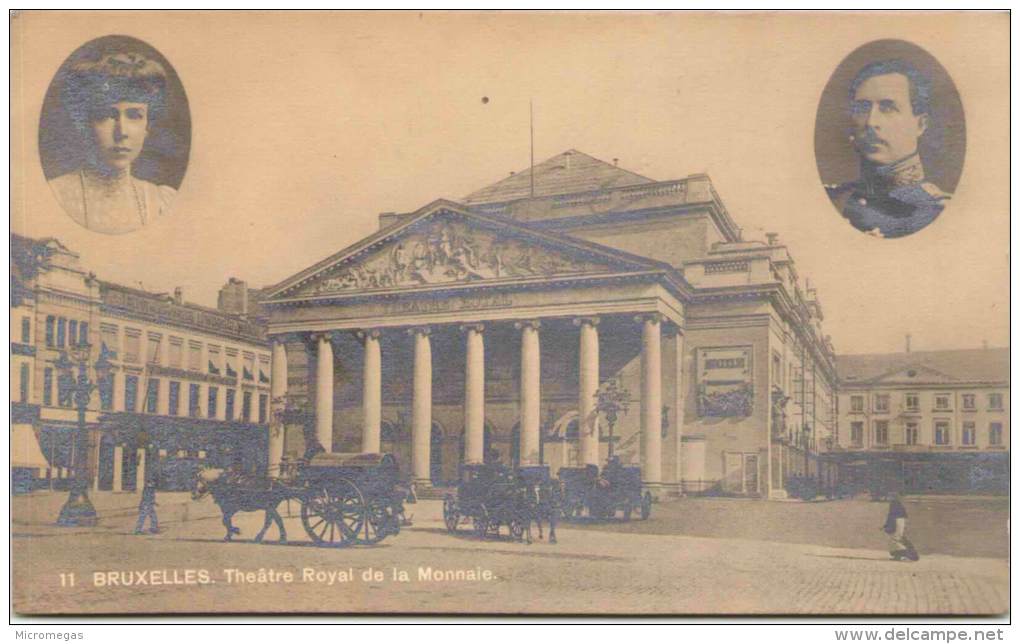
x,y
284,338
369,333
672,329
419,330
592,320
649,317
530,324
316,336
477,327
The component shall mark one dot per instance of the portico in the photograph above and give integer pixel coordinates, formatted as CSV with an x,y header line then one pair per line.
x,y
450,311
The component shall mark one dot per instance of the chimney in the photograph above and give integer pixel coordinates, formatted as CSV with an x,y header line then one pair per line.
x,y
616,162
908,343
984,344
566,157
772,238
178,295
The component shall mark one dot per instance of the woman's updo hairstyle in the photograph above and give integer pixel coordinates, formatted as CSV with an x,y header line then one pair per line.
x,y
97,79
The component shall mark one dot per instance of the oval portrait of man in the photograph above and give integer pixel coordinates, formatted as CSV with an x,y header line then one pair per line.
x,y
890,139
115,135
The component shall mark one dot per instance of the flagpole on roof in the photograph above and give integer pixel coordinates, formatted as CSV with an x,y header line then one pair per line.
x,y
531,173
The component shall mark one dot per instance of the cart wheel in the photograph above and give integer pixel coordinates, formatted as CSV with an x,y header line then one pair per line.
x,y
380,522
481,522
646,505
451,516
333,515
517,529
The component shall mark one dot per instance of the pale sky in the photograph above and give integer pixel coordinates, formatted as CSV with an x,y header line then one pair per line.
x,y
306,126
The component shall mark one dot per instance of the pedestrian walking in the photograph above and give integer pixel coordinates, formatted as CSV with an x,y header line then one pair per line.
x,y
896,527
147,507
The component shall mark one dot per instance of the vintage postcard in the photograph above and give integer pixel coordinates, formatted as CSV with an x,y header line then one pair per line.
x,y
576,313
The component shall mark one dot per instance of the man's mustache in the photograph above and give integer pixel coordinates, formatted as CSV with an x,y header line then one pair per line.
x,y
868,138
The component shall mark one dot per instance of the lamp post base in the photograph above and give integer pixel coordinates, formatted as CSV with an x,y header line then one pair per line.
x,y
78,511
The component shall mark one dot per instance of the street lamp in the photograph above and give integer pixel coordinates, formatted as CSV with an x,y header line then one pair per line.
x,y
78,510
611,401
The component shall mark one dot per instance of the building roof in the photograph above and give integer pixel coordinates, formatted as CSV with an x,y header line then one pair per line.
x,y
569,172
965,365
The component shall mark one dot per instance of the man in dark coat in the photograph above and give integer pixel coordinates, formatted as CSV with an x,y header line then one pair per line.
x,y
896,527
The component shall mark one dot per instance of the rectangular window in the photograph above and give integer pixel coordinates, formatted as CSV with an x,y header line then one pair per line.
x,y
264,369
83,333
911,434
230,404
246,406
26,331
131,393
109,340
857,404
881,432
174,398
263,408
857,434
194,391
995,401
72,332
912,402
248,366
152,354
50,337
23,383
61,330
194,356
215,364
882,402
995,434
231,363
64,393
941,432
106,393
942,402
968,435
152,396
132,345
47,392
967,400
213,394
176,352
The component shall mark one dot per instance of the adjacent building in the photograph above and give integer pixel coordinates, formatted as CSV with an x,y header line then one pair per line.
x,y
564,312
189,383
925,421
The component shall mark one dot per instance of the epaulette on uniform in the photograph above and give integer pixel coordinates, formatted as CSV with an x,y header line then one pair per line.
x,y
935,191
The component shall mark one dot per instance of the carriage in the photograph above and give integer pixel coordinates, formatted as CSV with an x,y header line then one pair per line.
x,y
602,494
346,498
349,498
492,496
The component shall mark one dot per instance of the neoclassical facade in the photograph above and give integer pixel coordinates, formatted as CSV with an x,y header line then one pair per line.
x,y
556,317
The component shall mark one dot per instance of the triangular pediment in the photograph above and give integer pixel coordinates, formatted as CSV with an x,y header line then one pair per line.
x,y
914,374
445,246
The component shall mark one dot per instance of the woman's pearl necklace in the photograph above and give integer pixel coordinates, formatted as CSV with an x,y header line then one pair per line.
x,y
139,205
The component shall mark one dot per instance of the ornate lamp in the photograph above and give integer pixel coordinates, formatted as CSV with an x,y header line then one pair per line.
x,y
610,401
78,509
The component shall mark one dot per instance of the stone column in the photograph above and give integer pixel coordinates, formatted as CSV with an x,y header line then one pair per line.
x,y
588,386
118,390
371,398
278,399
651,399
531,391
474,395
118,468
421,407
140,471
679,404
324,391
163,397
221,402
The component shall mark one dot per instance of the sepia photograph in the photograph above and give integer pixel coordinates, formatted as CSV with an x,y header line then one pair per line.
x,y
586,315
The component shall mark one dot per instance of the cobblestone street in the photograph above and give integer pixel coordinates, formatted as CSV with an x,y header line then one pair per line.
x,y
592,569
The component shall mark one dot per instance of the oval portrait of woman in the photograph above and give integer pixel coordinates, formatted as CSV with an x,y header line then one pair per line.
x,y
890,138
114,135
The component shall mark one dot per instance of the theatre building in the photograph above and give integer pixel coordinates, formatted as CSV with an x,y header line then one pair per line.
x,y
189,383
553,317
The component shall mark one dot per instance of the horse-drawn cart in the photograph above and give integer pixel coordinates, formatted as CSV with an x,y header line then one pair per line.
x,y
604,493
492,496
346,499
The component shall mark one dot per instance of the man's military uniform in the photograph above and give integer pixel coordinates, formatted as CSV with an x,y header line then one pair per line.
x,y
890,201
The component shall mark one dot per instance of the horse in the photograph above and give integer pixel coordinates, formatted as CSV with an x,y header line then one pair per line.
x,y
545,501
234,493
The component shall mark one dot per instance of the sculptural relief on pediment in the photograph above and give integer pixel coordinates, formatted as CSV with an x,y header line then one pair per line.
x,y
450,252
